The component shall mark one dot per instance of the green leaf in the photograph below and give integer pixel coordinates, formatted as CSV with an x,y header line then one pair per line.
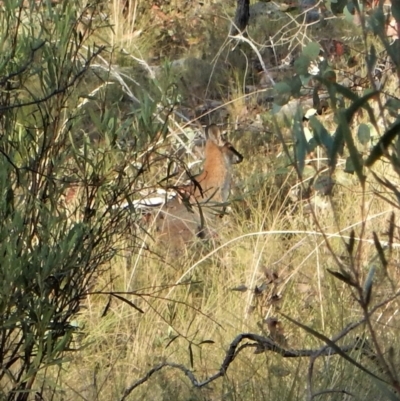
x,y
367,291
343,134
387,391
337,6
96,119
343,276
336,148
127,301
276,107
191,355
321,135
62,344
172,340
330,75
349,166
377,21
347,14
363,134
305,79
287,88
312,50
282,99
371,59
357,104
283,88
295,85
380,250
301,65
392,105
350,245
301,146
396,10
348,138
383,143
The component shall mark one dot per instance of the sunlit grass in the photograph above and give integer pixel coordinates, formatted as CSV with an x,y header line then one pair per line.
x,y
271,257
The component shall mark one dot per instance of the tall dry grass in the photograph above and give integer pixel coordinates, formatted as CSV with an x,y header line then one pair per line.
x,y
271,258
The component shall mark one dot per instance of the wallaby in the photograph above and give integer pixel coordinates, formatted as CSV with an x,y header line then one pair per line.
x,y
214,182
183,218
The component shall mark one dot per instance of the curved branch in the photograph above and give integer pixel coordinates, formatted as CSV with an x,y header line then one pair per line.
x,y
261,344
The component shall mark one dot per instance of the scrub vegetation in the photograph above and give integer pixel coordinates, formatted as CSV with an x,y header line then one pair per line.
x,y
102,106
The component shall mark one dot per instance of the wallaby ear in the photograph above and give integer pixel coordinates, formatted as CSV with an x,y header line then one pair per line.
x,y
213,133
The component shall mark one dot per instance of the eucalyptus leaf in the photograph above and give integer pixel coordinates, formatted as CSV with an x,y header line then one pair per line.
x,y
302,64
348,15
283,88
349,166
301,146
312,50
321,135
363,134
367,291
383,143
371,58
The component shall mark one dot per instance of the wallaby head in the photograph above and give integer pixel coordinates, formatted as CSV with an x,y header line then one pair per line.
x,y
232,155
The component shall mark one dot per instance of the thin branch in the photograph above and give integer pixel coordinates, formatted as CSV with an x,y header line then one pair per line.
x,y
261,343
55,92
241,38
332,391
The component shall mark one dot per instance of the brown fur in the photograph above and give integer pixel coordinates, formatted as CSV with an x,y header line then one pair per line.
x,y
187,216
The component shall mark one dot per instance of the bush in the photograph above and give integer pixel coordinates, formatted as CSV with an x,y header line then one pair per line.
x,y
60,221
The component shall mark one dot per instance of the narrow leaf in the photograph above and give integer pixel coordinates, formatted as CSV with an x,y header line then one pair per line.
x,y
383,144
171,341
130,303
379,248
106,309
348,138
191,356
321,134
206,342
368,286
345,277
391,232
282,88
301,142
334,346
364,134
350,245
371,59
357,102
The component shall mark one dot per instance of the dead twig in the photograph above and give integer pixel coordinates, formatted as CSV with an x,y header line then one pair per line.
x,y
261,343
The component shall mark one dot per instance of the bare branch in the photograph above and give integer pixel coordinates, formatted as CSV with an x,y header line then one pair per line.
x,y
261,344
332,391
